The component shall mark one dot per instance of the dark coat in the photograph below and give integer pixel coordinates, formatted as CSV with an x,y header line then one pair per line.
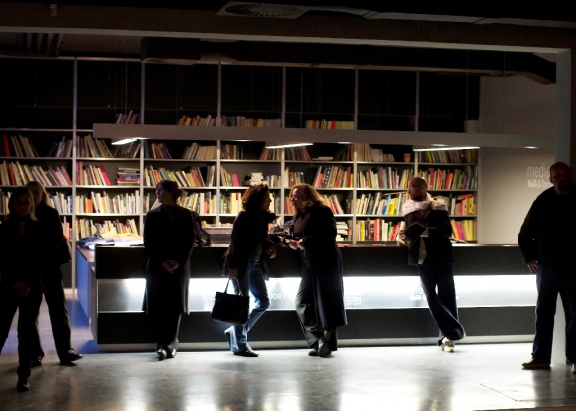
x,y
547,233
317,229
168,235
23,258
51,219
250,232
438,246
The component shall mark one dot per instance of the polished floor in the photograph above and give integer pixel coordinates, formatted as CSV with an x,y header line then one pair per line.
x,y
406,378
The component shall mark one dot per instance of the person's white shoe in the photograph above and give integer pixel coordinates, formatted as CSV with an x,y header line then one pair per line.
x,y
447,345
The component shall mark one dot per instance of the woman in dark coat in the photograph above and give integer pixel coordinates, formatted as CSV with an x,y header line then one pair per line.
x,y
249,249
25,254
52,280
168,239
320,297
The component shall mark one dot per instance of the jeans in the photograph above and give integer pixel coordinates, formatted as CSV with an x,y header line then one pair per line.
x,y
438,283
549,284
253,281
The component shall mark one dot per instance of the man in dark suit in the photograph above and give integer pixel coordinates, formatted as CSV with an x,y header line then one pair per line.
x,y
169,237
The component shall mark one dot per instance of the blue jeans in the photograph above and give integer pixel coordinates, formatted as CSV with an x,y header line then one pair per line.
x,y
438,283
549,284
253,281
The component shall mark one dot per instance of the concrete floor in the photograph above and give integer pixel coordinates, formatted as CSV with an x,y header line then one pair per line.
x,y
475,377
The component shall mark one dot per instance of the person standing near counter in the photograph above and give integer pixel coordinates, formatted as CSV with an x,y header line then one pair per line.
x,y
25,254
320,297
52,285
428,228
547,242
169,237
249,249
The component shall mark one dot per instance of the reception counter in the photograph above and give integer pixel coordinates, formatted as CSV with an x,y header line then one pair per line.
x,y
384,301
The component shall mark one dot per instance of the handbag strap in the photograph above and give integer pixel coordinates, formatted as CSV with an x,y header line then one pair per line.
x,y
228,282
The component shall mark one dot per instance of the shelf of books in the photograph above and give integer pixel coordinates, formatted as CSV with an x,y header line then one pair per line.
x,y
452,177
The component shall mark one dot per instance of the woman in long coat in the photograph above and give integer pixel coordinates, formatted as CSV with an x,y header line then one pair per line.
x,y
320,297
168,239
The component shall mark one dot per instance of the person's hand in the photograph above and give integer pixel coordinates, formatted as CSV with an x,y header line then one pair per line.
x,y
402,234
233,273
533,266
22,288
293,244
271,251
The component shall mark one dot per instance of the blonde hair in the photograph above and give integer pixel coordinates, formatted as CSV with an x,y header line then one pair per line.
x,y
31,185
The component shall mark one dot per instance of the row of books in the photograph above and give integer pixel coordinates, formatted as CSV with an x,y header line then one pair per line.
x,y
16,174
464,230
197,152
61,149
329,124
127,118
93,175
196,121
102,203
231,203
128,150
241,121
464,204
127,176
449,156
294,154
88,146
465,178
191,177
86,227
380,203
364,152
291,178
377,230
385,177
333,177
17,146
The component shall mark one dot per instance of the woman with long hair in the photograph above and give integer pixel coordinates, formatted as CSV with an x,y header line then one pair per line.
x,y
320,297
249,249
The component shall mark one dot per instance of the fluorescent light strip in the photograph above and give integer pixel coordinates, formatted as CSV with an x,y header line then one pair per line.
x,y
446,148
289,145
124,141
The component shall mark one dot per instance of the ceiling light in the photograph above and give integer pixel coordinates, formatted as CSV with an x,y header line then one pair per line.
x,y
286,145
121,141
445,148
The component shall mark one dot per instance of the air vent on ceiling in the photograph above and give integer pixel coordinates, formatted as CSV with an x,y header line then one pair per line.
x,y
242,9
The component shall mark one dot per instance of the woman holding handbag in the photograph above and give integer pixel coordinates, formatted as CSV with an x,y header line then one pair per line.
x,y
52,285
249,249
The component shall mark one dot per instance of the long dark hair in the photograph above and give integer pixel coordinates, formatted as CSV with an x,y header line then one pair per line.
x,y
253,197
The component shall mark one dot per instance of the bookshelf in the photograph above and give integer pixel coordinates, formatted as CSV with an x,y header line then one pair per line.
x,y
59,106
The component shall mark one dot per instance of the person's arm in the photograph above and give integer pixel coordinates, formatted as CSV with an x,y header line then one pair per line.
x,y
323,228
527,239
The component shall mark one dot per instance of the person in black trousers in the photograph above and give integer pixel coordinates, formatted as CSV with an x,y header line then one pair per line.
x,y
320,297
24,256
169,237
429,229
52,281
247,261
546,240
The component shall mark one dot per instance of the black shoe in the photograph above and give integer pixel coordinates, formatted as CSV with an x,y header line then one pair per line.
x,y
70,357
246,353
22,385
36,362
324,345
162,354
313,353
227,336
171,353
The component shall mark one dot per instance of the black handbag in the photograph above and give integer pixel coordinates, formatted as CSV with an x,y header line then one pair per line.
x,y
230,308
62,253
